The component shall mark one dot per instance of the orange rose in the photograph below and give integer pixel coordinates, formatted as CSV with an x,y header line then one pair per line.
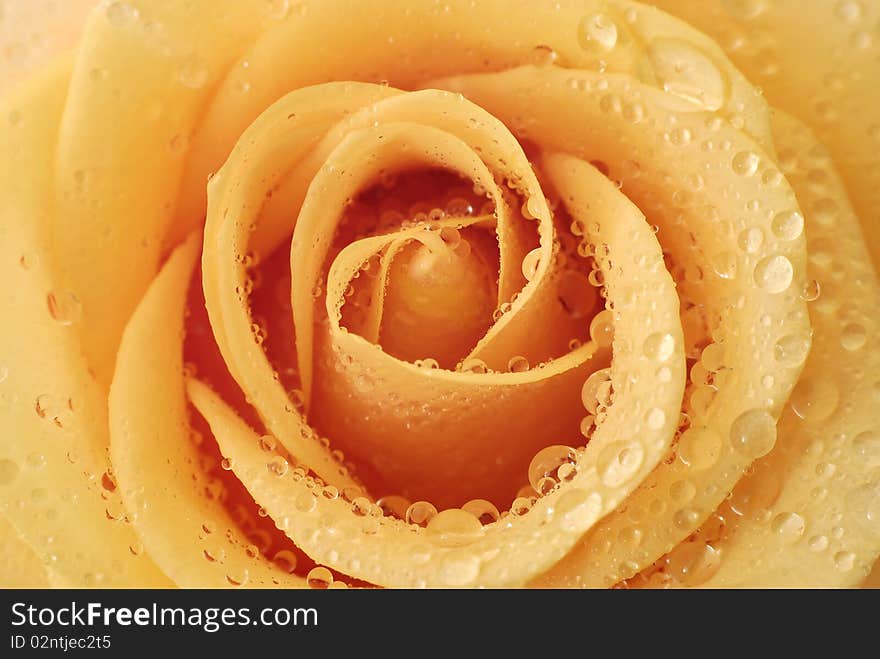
x,y
477,294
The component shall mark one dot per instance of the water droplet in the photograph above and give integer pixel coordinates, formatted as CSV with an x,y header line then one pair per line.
x,y
594,387
699,448
745,163
853,337
750,240
774,273
788,225
286,560
214,553
867,447
659,346
788,526
686,519
753,495
278,466
844,560
238,577
618,462
52,409
818,543
530,264
683,70
305,502
864,503
681,136
8,472
543,55
812,290
64,307
420,513
724,264
792,350
473,365
484,511
814,399
518,364
693,563
753,433
597,32
29,260
682,491
655,418
454,528
522,504
633,112
319,578
546,463
394,505
602,328
361,506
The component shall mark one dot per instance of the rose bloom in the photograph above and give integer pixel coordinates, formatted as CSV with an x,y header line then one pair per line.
x,y
487,293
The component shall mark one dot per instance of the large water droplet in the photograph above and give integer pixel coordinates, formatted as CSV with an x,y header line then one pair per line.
x,y
530,264
774,273
814,399
618,462
693,563
750,240
683,70
484,511
788,225
594,388
305,502
791,350
853,336
867,447
864,503
659,346
753,433
285,560
699,448
788,526
597,33
454,528
602,328
844,560
745,163
319,578
546,463
64,306
420,513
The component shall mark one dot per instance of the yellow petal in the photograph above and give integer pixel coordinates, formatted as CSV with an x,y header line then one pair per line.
x,y
193,538
57,491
